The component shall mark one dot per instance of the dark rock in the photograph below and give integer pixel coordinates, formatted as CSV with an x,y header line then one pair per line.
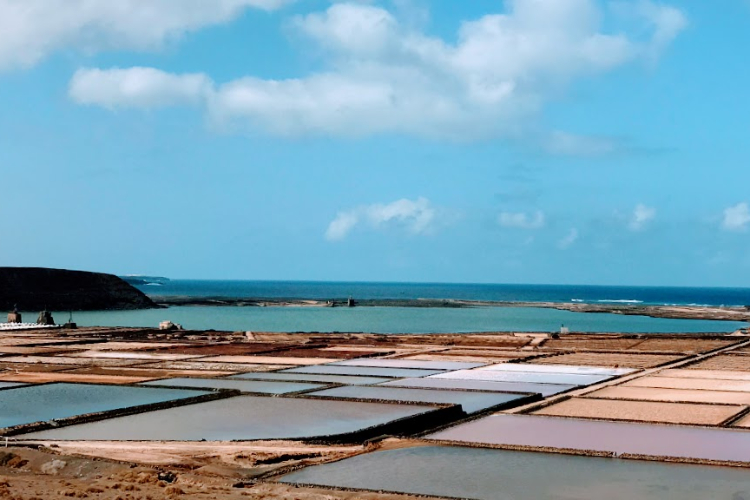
x,y
45,318
62,290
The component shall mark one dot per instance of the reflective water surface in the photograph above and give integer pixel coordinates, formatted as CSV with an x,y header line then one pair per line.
x,y
36,403
241,417
486,474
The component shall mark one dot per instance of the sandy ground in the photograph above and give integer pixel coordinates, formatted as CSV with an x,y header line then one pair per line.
x,y
59,473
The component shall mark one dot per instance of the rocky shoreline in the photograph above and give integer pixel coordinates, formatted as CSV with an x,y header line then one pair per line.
x,y
654,311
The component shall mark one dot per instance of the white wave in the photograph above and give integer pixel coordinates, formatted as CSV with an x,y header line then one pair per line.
x,y
621,301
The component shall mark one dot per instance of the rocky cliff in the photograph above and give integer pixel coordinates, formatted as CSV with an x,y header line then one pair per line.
x,y
34,289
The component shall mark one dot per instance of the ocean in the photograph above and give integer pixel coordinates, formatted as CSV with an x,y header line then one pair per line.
x,y
519,293
419,320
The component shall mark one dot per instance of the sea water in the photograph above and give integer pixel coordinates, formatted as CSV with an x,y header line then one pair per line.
x,y
393,320
461,291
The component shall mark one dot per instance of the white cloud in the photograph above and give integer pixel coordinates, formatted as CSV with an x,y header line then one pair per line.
x,y
565,144
384,76
736,218
137,87
341,225
569,239
642,215
417,216
33,29
521,220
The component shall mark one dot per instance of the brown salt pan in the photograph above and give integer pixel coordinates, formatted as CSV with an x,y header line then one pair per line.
x,y
744,422
683,345
268,360
65,360
691,383
723,362
673,413
147,372
672,395
152,356
40,378
608,359
34,367
226,367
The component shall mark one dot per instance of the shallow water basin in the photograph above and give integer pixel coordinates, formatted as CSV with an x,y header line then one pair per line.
x,y
36,403
524,377
308,377
480,385
570,369
409,363
242,418
484,474
268,360
257,386
470,401
654,440
7,385
366,371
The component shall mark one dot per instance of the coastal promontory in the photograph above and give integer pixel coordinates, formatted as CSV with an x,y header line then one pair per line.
x,y
33,288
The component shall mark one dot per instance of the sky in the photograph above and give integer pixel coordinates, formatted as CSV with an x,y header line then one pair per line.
x,y
518,141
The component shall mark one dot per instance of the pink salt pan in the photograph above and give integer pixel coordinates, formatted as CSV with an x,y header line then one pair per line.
x,y
691,383
672,395
643,411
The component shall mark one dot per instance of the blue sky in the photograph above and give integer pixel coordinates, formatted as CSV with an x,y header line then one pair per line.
x,y
525,141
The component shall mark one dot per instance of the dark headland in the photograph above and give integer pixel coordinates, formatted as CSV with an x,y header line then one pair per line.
x,y
34,288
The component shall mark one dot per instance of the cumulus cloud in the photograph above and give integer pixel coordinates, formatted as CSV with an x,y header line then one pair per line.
x,y
33,29
137,87
383,76
736,218
568,240
521,220
641,216
417,216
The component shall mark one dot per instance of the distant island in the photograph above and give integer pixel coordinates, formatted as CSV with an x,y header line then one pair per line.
x,y
35,289
140,280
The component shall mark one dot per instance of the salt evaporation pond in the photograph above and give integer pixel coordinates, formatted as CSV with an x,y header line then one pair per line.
x,y
363,371
524,377
38,403
241,418
703,443
335,379
480,385
470,401
257,386
570,369
6,385
486,474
